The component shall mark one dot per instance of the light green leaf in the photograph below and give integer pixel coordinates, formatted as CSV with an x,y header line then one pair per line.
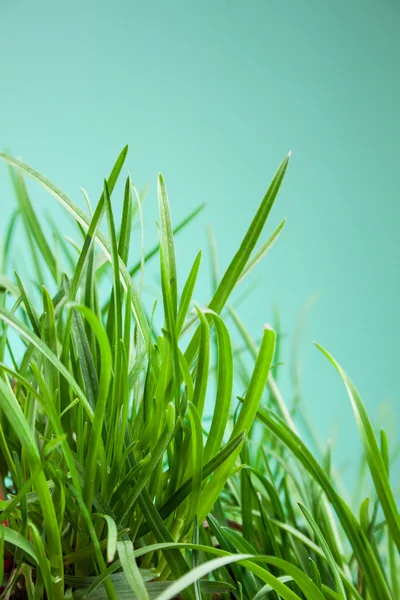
x,y
131,570
375,460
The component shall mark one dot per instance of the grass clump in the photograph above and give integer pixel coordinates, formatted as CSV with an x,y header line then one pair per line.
x,y
112,486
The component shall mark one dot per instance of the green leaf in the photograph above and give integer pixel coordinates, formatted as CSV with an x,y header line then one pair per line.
x,y
263,250
325,547
266,589
131,570
195,574
197,463
167,244
258,382
203,364
126,223
43,561
364,516
33,318
248,562
242,256
112,536
115,316
224,388
19,541
187,294
375,460
86,361
8,239
32,224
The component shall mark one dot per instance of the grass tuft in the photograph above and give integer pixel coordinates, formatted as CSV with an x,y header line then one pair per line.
x,y
112,482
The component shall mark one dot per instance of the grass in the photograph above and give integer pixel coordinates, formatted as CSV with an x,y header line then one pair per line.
x,y
112,484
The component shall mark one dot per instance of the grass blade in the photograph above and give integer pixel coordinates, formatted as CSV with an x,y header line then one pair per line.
x,y
197,573
242,256
374,457
325,547
131,570
263,250
167,244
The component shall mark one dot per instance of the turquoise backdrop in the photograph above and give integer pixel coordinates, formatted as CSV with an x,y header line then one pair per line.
x,y
213,94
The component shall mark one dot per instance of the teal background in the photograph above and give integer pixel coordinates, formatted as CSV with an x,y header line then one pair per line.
x,y
213,94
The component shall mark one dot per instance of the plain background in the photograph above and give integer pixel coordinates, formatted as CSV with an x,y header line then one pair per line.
x,y
213,94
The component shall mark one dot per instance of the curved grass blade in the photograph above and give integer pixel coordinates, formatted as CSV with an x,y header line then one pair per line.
x,y
86,252
167,244
272,385
267,588
112,536
224,388
309,544
258,381
197,464
262,251
131,570
197,573
249,241
373,454
154,588
187,294
8,239
19,541
250,562
306,584
126,222
114,323
203,364
242,256
33,318
52,375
